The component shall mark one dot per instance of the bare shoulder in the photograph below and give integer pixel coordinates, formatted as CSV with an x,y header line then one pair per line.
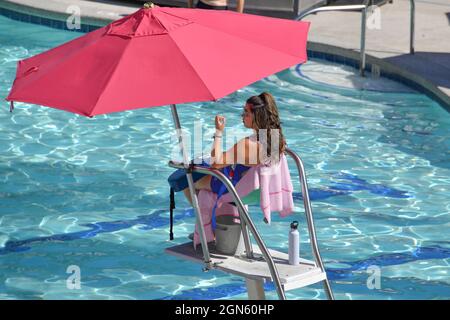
x,y
248,141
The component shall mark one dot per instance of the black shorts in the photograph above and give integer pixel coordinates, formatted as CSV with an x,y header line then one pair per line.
x,y
201,5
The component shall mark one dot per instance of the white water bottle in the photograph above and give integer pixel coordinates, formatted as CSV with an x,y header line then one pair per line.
x,y
294,244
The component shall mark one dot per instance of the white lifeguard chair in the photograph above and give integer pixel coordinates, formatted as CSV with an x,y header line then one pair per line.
x,y
256,265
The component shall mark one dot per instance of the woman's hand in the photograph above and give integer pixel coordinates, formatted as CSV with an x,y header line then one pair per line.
x,y
220,123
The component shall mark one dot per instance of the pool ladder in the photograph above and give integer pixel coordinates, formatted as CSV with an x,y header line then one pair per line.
x,y
253,267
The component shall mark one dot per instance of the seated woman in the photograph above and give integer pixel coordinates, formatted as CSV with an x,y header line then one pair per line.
x,y
261,115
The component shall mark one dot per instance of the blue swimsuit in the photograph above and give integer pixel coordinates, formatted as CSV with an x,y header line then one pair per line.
x,y
178,182
234,175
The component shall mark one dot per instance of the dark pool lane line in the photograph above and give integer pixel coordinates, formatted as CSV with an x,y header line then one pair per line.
x,y
389,259
351,183
148,222
155,220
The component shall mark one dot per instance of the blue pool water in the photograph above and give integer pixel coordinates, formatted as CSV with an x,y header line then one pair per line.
x,y
93,192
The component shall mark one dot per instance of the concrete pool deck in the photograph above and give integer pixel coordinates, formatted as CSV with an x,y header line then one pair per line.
x,y
336,33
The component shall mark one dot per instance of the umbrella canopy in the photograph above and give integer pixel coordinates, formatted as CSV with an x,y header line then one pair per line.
x,y
160,56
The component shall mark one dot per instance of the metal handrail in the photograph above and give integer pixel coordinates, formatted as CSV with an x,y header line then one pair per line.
x,y
412,26
198,216
363,8
296,6
330,8
243,216
362,53
309,217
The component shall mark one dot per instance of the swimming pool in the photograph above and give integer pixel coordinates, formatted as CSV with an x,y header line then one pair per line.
x,y
93,193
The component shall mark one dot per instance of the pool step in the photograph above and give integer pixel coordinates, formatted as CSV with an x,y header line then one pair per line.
x,y
292,277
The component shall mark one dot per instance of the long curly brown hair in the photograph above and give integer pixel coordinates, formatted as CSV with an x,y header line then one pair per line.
x,y
265,115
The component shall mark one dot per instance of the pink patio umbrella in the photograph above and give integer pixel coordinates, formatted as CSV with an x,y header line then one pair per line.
x,y
161,56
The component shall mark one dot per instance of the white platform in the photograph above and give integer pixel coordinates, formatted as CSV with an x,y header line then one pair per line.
x,y
292,277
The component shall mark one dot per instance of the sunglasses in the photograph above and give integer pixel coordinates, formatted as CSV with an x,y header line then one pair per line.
x,y
246,113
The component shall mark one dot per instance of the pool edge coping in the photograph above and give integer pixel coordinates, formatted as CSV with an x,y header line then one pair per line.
x,y
387,69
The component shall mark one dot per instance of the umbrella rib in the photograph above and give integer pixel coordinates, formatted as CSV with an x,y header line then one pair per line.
x,y
195,71
241,39
59,63
246,40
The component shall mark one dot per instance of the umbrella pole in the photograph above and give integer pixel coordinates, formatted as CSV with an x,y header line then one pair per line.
x,y
199,220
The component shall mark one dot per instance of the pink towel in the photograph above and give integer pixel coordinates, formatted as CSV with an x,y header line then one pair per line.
x,y
206,202
275,187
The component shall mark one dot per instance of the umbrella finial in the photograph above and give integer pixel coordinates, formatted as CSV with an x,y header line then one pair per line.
x,y
149,5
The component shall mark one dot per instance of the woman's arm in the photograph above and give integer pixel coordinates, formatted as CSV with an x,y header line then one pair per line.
x,y
190,3
217,143
244,152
